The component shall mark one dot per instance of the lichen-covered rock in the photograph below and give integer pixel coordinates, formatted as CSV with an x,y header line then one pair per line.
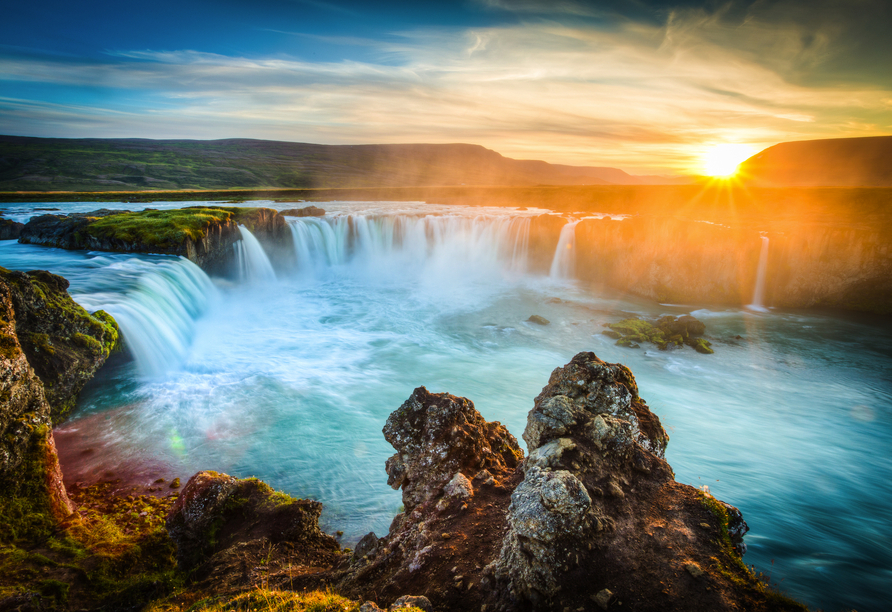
x,y
456,471
598,402
550,512
598,516
438,435
666,332
64,344
216,512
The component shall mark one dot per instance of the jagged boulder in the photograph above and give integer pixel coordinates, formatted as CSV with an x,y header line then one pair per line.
x,y
591,519
456,471
599,518
63,343
218,521
440,437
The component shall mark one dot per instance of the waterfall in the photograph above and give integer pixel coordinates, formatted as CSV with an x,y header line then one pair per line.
x,y
157,313
439,247
564,263
251,260
759,291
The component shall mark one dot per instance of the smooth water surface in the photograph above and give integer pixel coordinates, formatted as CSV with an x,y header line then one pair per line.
x,y
290,378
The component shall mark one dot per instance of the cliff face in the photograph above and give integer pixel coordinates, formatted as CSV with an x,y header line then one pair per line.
x,y
675,260
204,235
33,494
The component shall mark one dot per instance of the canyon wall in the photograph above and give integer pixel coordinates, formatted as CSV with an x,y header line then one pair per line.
x,y
677,260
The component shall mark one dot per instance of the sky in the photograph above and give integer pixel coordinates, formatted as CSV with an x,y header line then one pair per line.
x,y
648,86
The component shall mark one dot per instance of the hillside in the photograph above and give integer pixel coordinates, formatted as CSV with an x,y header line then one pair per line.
x,y
55,164
839,162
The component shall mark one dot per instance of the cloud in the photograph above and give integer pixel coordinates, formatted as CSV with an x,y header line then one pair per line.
x,y
644,97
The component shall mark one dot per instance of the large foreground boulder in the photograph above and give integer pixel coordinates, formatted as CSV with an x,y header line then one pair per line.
x,y
592,519
32,496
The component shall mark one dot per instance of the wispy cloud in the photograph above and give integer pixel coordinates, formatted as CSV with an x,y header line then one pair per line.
x,y
638,96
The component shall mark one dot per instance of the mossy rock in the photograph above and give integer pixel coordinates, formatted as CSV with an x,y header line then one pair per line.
x,y
701,345
64,344
666,333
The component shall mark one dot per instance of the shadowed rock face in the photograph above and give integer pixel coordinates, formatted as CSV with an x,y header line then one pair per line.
x,y
10,230
28,463
219,521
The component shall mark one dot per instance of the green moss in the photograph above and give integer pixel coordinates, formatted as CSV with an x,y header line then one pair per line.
x,y
55,589
164,229
639,330
106,326
268,600
90,343
40,342
9,348
25,507
701,345
732,567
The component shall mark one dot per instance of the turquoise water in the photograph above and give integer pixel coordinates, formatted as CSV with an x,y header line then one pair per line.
x,y
291,379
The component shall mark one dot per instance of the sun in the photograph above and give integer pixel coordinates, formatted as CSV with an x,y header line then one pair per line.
x,y
722,160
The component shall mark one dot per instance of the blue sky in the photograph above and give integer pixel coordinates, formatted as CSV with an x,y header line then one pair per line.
x,y
644,85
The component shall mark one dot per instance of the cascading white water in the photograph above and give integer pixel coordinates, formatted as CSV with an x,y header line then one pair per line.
x,y
438,248
563,265
157,315
759,291
251,260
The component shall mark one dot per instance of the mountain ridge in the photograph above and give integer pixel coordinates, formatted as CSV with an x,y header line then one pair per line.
x,y
831,162
98,164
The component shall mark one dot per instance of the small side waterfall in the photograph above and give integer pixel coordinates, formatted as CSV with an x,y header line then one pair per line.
x,y
157,314
759,292
252,261
564,263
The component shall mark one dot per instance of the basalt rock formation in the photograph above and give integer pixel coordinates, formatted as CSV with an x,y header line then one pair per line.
x,y
591,519
204,235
